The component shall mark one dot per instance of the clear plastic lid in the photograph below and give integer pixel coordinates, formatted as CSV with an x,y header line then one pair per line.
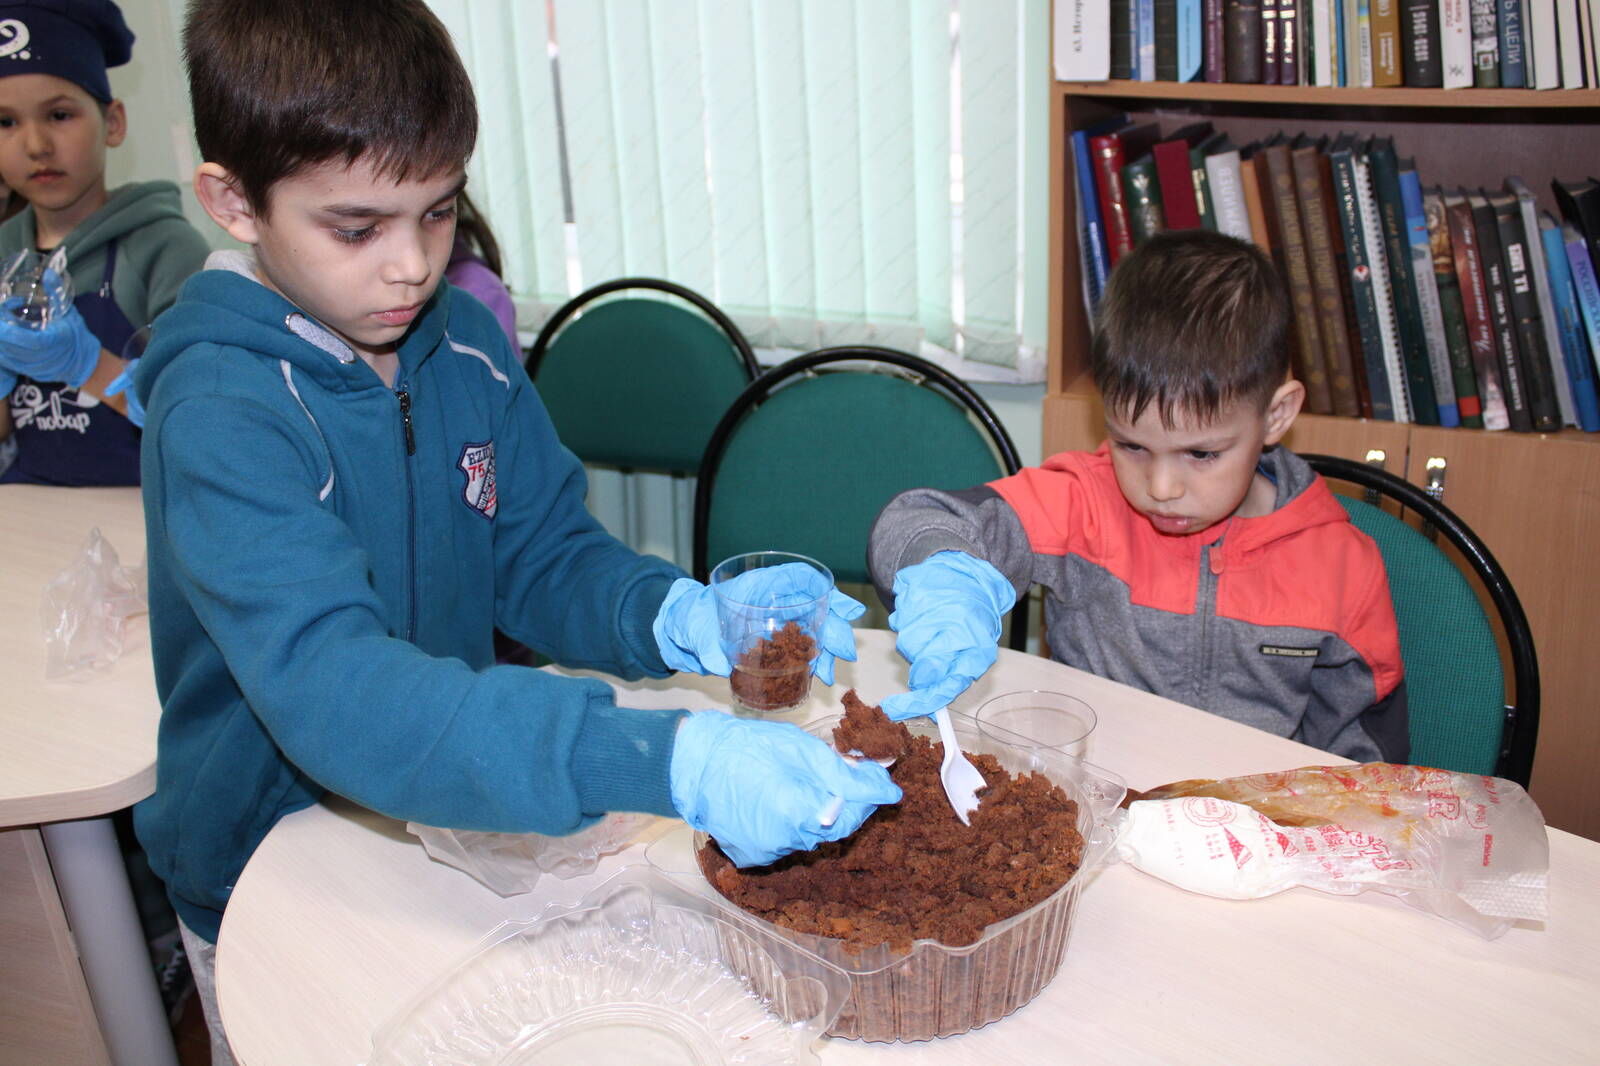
x,y
638,972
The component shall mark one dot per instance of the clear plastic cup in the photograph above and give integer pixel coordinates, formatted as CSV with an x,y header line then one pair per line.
x,y
35,289
773,641
1041,719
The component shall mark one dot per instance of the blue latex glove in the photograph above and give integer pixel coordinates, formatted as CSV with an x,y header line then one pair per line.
x,y
63,351
690,637
758,786
123,382
947,612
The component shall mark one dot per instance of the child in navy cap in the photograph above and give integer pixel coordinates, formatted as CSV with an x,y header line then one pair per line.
x,y
65,419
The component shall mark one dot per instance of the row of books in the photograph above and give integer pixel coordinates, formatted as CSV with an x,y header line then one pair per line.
x,y
1410,303
1449,44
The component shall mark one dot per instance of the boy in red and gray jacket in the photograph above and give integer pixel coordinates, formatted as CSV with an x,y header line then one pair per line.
x,y
1191,555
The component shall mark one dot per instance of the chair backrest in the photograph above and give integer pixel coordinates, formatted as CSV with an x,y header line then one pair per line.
x,y
639,382
1461,718
811,451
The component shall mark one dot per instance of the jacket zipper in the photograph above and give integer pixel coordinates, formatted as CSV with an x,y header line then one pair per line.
x,y
1206,608
404,398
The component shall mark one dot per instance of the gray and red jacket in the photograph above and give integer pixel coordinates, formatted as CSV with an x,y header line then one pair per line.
x,y
1282,621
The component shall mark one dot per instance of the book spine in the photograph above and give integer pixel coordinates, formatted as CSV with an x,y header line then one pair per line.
x,y
1122,39
1570,38
1320,57
1413,342
1383,293
1455,44
1585,286
1107,152
1288,42
1431,316
1250,183
1243,26
1574,349
1534,358
1144,28
1543,54
1178,209
1479,317
1227,194
1269,42
1166,16
1189,40
1485,44
1505,335
1419,45
1513,69
1385,44
1329,305
1082,46
1311,367
1362,297
1455,321
1202,189
1091,231
1143,192
1539,274
1214,32
1364,41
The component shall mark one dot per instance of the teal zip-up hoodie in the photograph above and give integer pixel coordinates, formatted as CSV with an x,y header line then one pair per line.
x,y
328,558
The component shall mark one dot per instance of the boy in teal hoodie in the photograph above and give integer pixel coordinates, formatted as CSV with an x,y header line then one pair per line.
x,y
349,482
64,418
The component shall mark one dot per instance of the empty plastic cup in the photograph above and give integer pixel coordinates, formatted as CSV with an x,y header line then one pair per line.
x,y
770,630
1039,719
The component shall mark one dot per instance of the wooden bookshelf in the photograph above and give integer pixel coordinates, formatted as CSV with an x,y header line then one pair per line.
x,y
1534,498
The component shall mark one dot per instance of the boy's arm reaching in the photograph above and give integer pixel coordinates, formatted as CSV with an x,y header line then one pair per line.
x,y
919,522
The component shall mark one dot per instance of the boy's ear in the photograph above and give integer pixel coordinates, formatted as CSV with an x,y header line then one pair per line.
x,y
116,123
1283,409
228,207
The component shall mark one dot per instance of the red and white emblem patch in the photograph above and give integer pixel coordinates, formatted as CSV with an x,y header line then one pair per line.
x,y
477,462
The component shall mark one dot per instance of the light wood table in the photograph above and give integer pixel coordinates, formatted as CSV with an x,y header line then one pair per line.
x,y
340,918
75,978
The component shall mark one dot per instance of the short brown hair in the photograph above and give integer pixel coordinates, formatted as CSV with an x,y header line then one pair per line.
x,y
280,85
1191,320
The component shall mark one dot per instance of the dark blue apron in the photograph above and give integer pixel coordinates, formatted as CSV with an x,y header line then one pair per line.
x,y
60,442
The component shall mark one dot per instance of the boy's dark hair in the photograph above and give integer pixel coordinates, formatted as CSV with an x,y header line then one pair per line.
x,y
279,85
1191,321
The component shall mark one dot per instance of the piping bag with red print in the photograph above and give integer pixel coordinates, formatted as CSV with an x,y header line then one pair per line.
x,y
1470,849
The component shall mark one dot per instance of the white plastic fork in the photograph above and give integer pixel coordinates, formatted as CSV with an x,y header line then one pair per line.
x,y
960,778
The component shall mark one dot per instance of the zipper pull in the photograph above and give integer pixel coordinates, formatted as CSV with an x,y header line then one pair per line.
x,y
405,421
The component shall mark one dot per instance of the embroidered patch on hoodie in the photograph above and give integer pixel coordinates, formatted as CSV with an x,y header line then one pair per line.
x,y
477,463
1287,652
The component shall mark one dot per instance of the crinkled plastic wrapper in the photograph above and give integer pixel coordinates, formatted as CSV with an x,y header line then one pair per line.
x,y
510,863
1470,849
86,608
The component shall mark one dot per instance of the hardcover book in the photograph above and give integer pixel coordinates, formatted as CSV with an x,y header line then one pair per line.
x,y
1575,354
1270,74
1109,152
1166,40
1539,272
1475,306
1201,177
1122,40
1579,202
1485,43
1214,34
1585,284
1543,55
1250,183
1180,206
1144,39
1513,69
1408,312
1537,371
1082,46
1455,321
1306,160
1225,182
1190,37
1092,248
1419,44
1368,335
1444,389
1283,218
1383,291
1289,18
1143,191
1242,26
1385,44
1505,334
1455,44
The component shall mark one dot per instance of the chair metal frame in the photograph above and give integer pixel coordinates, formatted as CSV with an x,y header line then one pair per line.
x,y
1520,733
914,368
570,309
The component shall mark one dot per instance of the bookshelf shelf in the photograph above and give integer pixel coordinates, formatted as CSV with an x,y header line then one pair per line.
x,y
1534,498
1190,92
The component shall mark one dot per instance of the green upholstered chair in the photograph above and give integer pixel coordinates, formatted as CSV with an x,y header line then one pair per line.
x,y
1461,716
638,382
810,452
